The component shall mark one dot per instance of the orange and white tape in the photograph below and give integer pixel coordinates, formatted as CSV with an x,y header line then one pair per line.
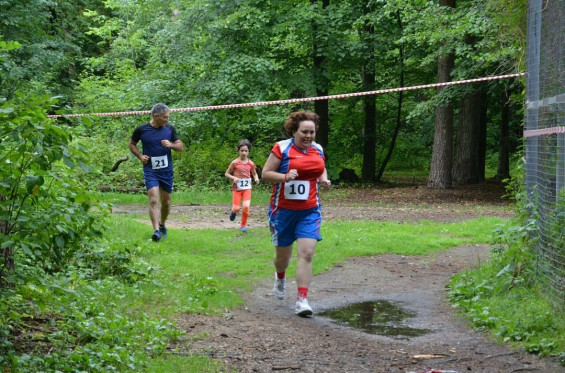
x,y
296,100
544,131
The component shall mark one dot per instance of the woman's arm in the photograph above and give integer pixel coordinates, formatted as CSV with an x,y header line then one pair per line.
x,y
324,179
270,173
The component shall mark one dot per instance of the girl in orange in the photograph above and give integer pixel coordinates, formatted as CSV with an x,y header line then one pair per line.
x,y
240,171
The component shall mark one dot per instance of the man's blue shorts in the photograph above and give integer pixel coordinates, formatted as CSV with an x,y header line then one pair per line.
x,y
162,180
289,225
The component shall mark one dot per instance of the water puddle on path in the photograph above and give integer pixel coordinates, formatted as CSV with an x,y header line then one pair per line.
x,y
379,317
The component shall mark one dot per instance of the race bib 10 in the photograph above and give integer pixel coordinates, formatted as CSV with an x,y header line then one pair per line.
x,y
297,190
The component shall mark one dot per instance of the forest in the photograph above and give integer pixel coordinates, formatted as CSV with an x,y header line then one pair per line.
x,y
62,57
116,56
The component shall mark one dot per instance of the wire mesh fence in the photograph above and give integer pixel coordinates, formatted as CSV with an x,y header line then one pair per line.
x,y
545,139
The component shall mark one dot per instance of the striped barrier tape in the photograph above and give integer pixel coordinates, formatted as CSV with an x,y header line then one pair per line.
x,y
544,131
295,100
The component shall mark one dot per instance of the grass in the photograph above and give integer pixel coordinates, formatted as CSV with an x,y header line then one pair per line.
x,y
261,195
205,270
208,196
171,363
511,306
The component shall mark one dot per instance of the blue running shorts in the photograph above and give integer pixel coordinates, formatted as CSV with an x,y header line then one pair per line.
x,y
288,225
161,180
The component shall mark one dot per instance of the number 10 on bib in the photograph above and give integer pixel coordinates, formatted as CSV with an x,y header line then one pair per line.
x,y
297,190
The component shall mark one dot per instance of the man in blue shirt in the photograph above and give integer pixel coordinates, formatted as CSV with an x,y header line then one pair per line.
x,y
157,138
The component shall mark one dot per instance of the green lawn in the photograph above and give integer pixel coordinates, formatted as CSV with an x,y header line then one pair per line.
x,y
204,270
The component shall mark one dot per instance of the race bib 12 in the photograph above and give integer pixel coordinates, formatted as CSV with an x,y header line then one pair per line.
x,y
243,184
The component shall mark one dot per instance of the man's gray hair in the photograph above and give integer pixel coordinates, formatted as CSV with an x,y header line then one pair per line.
x,y
159,109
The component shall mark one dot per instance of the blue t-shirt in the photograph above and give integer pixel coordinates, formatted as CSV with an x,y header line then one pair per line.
x,y
150,137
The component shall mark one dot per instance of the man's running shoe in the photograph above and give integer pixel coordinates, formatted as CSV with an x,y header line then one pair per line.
x,y
280,287
156,236
303,308
163,230
244,229
232,216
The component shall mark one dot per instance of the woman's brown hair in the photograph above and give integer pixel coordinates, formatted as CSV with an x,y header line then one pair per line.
x,y
293,121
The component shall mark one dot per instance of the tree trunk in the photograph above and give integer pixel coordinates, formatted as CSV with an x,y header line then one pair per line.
x,y
482,133
7,253
321,107
398,107
466,160
369,107
442,153
503,169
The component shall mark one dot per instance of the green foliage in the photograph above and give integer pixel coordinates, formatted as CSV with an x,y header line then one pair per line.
x,y
104,152
118,262
108,56
504,296
557,226
499,297
209,53
206,164
53,43
47,210
197,363
202,164
73,321
511,37
106,310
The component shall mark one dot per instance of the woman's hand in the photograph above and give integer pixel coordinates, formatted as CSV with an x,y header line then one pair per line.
x,y
291,175
325,183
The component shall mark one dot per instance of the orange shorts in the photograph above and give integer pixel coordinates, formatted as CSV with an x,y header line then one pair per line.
x,y
239,195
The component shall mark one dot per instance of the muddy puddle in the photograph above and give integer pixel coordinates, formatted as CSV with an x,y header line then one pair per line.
x,y
381,317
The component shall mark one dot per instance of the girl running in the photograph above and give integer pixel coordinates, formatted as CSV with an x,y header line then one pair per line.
x,y
240,171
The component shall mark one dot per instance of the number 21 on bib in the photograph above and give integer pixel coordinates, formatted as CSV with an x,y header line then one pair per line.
x,y
159,162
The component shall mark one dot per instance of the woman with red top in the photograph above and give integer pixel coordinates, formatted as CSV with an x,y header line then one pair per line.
x,y
296,167
240,172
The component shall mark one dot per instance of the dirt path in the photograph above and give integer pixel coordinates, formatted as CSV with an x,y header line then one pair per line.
x,y
265,335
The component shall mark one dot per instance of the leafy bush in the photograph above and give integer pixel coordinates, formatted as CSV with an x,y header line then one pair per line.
x,y
70,322
504,295
58,285
118,261
104,154
46,209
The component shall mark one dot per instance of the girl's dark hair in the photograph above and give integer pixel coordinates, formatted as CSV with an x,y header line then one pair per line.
x,y
293,121
244,142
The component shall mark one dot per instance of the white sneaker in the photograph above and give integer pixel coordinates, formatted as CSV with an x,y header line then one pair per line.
x,y
280,287
303,308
